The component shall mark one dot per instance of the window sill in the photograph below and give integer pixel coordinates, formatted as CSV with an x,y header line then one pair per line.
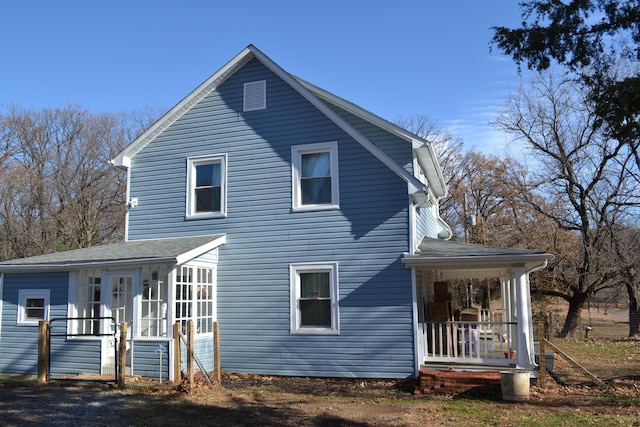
x,y
205,216
29,323
312,208
315,331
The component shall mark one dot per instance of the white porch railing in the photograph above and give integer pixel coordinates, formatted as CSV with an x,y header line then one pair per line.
x,y
482,343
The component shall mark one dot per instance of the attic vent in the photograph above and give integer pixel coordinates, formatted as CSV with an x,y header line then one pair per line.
x,y
255,95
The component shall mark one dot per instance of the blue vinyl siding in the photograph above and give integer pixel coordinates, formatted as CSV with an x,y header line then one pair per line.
x,y
367,236
19,344
148,361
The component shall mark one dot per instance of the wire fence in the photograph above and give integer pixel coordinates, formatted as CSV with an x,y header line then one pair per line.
x,y
599,351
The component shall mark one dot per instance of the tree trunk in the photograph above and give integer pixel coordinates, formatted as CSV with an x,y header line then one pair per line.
x,y
634,314
571,323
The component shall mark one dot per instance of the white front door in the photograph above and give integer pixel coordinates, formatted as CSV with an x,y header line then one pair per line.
x,y
120,298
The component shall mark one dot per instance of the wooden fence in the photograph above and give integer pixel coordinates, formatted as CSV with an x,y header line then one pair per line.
x,y
178,336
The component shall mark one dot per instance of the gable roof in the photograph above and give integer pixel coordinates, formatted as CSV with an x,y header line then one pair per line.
x,y
426,155
170,250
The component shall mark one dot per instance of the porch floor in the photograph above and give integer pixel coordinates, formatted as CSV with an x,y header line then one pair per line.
x,y
455,381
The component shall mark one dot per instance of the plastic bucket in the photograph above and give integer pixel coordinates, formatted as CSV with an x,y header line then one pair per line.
x,y
515,385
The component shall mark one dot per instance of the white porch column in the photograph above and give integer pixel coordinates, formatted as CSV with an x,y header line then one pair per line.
x,y
418,349
525,357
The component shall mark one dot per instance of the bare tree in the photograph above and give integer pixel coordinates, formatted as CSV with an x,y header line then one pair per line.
x,y
622,253
58,189
584,178
449,151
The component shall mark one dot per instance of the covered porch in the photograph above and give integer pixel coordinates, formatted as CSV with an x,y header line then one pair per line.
x,y
453,330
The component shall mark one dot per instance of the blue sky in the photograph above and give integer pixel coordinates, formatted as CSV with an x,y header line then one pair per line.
x,y
394,58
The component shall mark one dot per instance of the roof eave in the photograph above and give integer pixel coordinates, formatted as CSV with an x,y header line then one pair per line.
x,y
427,160
477,261
187,256
53,267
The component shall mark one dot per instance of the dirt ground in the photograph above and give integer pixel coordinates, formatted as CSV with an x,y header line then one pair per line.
x,y
250,400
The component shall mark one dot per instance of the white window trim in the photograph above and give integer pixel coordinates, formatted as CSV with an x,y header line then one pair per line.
x,y
23,295
296,166
192,162
294,282
255,96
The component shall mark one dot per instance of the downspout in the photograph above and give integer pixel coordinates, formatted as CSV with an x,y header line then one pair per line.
x,y
446,233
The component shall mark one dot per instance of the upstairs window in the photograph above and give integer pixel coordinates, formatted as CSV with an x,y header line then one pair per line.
x,y
315,176
33,306
206,192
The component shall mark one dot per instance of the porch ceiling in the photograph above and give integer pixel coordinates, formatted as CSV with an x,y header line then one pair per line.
x,y
456,260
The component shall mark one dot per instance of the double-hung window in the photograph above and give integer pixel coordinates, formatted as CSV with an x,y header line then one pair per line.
x,y
33,306
314,298
315,176
206,186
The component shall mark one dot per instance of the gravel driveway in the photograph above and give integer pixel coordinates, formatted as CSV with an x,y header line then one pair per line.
x,y
66,406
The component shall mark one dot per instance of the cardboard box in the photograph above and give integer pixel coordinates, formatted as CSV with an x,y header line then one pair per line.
x,y
471,314
439,311
441,291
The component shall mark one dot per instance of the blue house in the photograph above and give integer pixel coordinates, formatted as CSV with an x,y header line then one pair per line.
x,y
306,226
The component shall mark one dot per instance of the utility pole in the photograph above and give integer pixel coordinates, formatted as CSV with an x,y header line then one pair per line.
x,y
469,221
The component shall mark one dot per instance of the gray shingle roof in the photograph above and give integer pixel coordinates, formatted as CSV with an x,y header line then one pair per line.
x,y
141,251
445,254
448,248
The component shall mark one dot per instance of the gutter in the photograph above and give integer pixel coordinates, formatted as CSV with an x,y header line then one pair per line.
x,y
27,268
539,267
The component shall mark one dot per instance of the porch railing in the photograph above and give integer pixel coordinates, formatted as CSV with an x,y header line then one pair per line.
x,y
483,342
